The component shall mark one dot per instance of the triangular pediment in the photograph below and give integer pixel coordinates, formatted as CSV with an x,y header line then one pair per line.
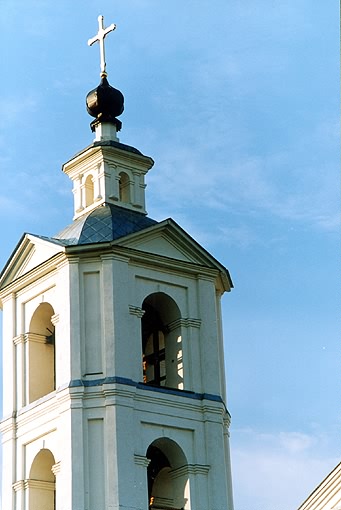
x,y
30,253
168,239
327,495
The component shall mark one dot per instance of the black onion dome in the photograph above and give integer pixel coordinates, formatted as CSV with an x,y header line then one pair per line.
x,y
105,103
104,224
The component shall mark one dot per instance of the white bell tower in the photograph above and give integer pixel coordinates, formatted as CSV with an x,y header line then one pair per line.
x,y
113,362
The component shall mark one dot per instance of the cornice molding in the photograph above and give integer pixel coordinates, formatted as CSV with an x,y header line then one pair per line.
x,y
39,484
36,275
141,460
189,469
19,339
137,311
184,323
55,319
56,468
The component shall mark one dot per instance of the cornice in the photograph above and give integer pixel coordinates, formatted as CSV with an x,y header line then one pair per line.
x,y
8,425
184,323
193,469
138,258
94,155
47,406
167,264
39,273
137,311
141,460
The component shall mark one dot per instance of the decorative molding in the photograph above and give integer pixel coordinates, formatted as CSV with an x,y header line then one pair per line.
x,y
160,503
55,319
73,259
184,323
198,469
107,257
8,297
56,468
136,310
19,339
39,484
8,425
42,273
227,423
35,337
18,486
141,460
206,277
189,469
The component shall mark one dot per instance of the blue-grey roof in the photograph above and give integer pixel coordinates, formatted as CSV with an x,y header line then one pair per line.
x,y
105,223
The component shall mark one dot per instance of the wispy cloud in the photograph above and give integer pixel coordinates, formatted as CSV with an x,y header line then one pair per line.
x,y
270,184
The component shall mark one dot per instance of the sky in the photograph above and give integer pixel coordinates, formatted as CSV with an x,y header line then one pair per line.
x,y
237,103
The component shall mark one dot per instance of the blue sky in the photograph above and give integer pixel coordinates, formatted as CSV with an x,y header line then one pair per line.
x,y
237,104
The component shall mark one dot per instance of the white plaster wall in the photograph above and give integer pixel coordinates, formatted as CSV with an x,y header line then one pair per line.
x,y
99,434
91,319
63,309
8,355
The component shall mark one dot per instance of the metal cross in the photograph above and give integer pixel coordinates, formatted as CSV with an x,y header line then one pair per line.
x,y
102,32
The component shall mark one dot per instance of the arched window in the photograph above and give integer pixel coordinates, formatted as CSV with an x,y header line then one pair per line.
x,y
154,352
89,191
161,342
41,353
124,187
41,483
167,476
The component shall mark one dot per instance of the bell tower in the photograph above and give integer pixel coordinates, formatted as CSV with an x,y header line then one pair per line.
x,y
113,362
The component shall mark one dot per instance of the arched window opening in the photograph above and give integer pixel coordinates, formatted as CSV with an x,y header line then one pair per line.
x,y
154,353
167,476
161,342
89,191
41,353
124,187
41,483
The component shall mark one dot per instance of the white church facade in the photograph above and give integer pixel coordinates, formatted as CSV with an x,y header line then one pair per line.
x,y
113,362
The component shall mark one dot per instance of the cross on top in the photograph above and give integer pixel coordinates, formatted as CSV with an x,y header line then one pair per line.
x,y
102,32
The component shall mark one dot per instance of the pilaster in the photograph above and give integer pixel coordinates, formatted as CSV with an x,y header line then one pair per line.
x,y
208,336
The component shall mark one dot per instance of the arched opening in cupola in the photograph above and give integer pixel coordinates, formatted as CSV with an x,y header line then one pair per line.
x,y
167,476
162,342
124,187
89,191
41,353
41,483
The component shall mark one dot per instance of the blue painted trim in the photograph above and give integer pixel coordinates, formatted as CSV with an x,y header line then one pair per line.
x,y
146,387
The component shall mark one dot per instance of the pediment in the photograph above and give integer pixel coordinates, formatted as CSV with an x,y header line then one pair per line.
x,y
327,494
162,244
30,252
168,239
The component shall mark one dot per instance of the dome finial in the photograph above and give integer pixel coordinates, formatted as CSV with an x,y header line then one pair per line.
x,y
105,103
102,32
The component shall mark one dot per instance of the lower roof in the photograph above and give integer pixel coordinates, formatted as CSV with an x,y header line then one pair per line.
x,y
105,223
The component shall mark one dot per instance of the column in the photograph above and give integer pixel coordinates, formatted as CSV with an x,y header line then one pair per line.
x,y
99,183
77,192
